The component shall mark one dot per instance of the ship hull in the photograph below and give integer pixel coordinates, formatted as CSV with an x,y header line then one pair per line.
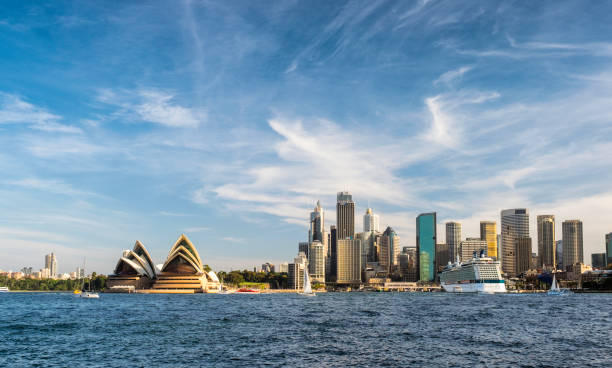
x,y
485,288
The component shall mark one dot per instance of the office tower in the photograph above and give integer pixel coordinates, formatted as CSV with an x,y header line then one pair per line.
x,y
283,267
426,246
349,261
514,225
333,252
488,233
370,221
608,248
316,261
388,249
317,225
546,241
295,274
345,216
471,245
267,267
523,254
535,261
453,238
369,245
80,272
572,242
598,260
559,254
303,247
51,264
442,256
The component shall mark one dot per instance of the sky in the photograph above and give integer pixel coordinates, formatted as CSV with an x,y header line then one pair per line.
x,y
228,120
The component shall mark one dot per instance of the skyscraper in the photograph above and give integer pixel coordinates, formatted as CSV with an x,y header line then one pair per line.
x,y
316,261
389,249
370,221
514,224
608,248
333,252
349,261
426,246
345,216
598,260
317,225
488,233
453,238
442,256
523,254
51,264
572,242
546,241
559,254
470,245
295,272
303,247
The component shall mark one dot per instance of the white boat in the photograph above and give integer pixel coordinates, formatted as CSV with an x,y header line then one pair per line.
x,y
89,295
4,289
477,275
307,291
555,289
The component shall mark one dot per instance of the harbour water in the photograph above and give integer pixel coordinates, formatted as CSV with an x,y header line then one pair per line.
x,y
334,329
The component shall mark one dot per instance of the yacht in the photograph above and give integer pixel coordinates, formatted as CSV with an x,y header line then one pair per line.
x,y
480,274
4,289
555,289
307,291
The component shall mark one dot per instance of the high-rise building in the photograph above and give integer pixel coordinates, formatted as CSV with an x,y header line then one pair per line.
x,y
546,241
608,248
369,245
442,256
523,254
317,225
389,249
426,246
283,267
333,252
453,238
488,233
559,254
295,274
598,260
51,264
345,216
349,261
316,261
514,225
267,267
470,245
303,247
572,242
370,221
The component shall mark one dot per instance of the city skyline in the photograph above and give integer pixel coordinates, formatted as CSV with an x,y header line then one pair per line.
x,y
228,122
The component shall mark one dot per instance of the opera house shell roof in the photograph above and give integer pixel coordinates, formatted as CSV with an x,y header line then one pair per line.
x,y
182,272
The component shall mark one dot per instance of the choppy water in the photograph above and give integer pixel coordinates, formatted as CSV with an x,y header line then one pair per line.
x,y
335,329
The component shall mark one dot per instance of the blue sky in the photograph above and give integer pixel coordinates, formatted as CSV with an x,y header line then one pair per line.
x,y
227,121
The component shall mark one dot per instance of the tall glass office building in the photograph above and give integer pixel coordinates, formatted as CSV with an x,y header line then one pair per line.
x,y
608,248
426,246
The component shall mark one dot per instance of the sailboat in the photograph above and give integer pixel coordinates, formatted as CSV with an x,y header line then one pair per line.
x,y
89,294
307,291
554,288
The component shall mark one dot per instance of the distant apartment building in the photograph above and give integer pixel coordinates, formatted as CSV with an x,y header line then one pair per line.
x,y
283,267
316,261
453,238
389,249
51,264
488,233
295,274
598,260
267,267
471,246
514,225
572,242
349,261
546,241
523,255
426,246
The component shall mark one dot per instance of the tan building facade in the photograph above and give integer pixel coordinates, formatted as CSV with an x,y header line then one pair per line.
x,y
488,233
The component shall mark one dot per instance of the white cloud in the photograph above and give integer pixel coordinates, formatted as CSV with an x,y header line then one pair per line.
x,y
452,75
13,110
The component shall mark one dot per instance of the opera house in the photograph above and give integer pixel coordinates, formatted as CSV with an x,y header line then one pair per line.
x,y
182,272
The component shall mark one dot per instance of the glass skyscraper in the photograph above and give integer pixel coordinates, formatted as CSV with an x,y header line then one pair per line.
x,y
608,248
426,246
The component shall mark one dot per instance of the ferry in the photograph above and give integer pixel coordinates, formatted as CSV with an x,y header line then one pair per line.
x,y
480,274
4,289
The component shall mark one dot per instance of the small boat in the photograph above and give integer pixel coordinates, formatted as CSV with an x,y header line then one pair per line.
x,y
307,291
554,288
4,289
247,291
89,295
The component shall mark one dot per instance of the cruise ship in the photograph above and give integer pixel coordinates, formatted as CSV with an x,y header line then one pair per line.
x,y
477,275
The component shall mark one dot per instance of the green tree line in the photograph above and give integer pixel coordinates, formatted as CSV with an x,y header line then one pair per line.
x,y
276,280
96,282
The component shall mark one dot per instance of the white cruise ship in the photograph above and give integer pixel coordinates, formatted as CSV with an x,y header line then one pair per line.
x,y
477,275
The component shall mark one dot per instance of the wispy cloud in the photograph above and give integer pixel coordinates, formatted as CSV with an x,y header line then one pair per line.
x,y
50,185
452,75
14,110
233,239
